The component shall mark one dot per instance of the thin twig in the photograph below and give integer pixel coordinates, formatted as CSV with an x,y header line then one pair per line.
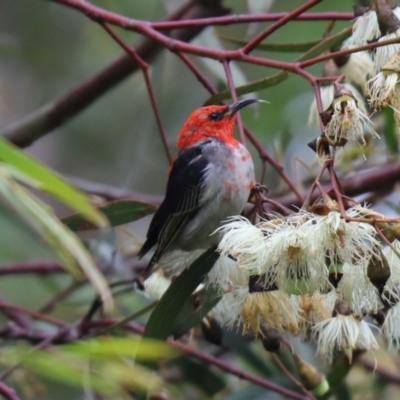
x,y
290,376
232,89
42,121
217,362
336,189
49,305
384,373
144,66
32,267
279,23
7,392
248,18
129,318
33,314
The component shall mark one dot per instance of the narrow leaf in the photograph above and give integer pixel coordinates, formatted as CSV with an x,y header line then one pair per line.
x,y
118,212
66,245
190,315
124,347
161,321
207,379
254,86
390,131
275,79
91,361
336,378
278,47
50,181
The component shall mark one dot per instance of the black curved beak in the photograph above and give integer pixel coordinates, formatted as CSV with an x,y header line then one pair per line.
x,y
235,107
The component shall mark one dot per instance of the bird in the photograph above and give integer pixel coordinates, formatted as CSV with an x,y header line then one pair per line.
x,y
209,181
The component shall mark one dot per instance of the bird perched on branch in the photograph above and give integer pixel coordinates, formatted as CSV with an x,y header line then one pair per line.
x,y
209,181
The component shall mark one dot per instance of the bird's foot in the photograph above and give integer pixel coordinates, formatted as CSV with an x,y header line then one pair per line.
x,y
257,193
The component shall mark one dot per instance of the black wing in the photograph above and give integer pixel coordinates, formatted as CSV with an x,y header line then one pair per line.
x,y
181,203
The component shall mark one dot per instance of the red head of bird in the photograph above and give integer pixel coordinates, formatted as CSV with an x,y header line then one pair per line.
x,y
211,121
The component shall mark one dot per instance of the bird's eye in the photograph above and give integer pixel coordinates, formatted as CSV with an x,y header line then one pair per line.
x,y
215,116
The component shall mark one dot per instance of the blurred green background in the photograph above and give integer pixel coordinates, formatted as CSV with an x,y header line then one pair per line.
x,y
47,49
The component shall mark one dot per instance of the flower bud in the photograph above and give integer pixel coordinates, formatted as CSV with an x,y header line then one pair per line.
x,y
211,330
310,377
271,338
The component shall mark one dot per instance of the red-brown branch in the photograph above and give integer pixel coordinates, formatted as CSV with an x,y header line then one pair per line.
x,y
144,28
145,70
279,23
211,360
248,18
42,121
41,267
231,85
7,392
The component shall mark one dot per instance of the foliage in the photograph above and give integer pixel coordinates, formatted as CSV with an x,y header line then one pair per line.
x,y
303,243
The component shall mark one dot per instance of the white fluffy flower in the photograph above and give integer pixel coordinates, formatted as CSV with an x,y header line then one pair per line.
x,y
327,96
382,54
294,258
384,88
314,308
226,274
245,242
273,307
348,121
343,241
381,88
357,70
357,290
391,327
343,332
228,310
365,29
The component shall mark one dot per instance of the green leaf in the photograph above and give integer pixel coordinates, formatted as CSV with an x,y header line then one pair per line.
x,y
243,348
390,131
254,86
250,391
66,245
50,182
275,79
123,347
89,362
190,315
162,319
343,392
336,378
205,378
118,212
278,47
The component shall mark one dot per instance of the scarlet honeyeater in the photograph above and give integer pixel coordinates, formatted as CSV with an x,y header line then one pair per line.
x,y
209,181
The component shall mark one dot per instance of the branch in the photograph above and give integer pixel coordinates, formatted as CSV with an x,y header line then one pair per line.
x,y
232,89
247,18
110,193
280,22
25,131
5,307
384,373
211,360
40,267
7,392
371,180
145,70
